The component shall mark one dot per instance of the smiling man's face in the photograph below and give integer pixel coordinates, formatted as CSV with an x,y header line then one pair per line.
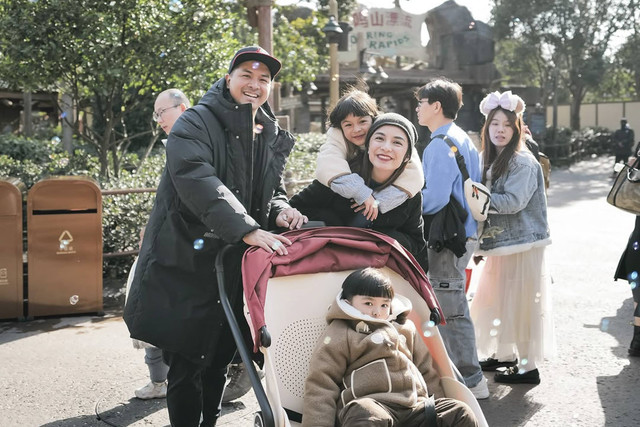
x,y
250,83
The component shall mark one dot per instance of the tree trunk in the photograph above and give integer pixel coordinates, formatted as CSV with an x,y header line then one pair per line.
x,y
104,161
116,160
27,117
105,144
577,96
66,102
575,113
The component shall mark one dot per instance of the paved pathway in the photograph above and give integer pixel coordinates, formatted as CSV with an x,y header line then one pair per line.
x,y
61,372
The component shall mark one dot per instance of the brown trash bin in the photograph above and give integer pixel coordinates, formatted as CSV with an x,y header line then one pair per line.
x,y
64,229
12,192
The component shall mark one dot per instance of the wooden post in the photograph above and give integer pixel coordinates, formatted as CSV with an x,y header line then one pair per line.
x,y
334,70
265,33
67,117
27,122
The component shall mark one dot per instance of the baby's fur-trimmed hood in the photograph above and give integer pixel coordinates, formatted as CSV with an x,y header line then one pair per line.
x,y
341,309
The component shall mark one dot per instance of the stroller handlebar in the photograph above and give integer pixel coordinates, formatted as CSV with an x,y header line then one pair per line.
x,y
265,337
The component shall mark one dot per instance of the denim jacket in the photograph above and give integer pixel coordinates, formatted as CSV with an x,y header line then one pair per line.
x,y
517,219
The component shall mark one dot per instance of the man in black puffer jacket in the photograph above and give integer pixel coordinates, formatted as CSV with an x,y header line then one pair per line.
x,y
222,184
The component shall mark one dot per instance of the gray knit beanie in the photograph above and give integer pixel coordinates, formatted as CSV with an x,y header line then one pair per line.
x,y
395,120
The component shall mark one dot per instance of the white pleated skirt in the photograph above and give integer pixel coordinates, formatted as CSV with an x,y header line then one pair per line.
x,y
511,309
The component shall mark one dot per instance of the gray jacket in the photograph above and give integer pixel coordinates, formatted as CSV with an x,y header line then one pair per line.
x,y
517,218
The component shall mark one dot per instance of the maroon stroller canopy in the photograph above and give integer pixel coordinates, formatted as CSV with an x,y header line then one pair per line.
x,y
327,249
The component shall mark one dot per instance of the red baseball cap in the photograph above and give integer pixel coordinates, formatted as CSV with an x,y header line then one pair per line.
x,y
256,53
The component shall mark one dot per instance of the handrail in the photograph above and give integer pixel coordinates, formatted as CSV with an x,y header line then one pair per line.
x,y
128,191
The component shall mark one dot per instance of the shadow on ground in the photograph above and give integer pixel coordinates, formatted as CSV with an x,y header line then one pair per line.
x,y
12,331
503,401
123,414
141,412
619,393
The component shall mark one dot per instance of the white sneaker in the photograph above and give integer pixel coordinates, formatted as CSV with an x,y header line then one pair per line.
x,y
152,391
480,391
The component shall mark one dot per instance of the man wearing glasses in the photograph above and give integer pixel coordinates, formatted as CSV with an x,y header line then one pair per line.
x,y
222,184
169,105
438,104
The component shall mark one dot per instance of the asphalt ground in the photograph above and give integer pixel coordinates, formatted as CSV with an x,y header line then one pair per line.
x,y
82,370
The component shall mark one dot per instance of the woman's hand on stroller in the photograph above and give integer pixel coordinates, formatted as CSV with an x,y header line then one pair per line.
x,y
291,218
268,241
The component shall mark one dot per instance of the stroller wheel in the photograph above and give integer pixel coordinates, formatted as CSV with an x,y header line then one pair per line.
x,y
257,420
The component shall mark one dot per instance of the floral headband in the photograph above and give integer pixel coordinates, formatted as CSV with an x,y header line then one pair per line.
x,y
506,100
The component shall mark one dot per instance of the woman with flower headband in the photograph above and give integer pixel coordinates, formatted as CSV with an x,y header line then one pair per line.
x,y
511,309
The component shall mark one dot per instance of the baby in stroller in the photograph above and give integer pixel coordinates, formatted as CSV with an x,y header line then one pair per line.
x,y
371,366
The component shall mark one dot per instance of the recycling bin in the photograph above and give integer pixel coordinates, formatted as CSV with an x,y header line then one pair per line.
x,y
64,246
12,192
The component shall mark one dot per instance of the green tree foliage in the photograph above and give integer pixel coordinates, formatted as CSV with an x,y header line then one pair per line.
x,y
628,57
522,64
299,44
629,60
111,57
572,36
345,8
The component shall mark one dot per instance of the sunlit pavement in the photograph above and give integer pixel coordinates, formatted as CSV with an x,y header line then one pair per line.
x,y
62,372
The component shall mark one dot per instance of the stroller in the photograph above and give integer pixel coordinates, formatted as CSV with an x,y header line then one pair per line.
x,y
290,294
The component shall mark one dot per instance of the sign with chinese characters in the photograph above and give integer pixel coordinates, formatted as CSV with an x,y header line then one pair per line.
x,y
387,32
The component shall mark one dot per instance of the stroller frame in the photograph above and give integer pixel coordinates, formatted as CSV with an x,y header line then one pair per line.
x,y
272,411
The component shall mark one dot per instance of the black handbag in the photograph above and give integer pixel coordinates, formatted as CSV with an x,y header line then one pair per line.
x,y
625,192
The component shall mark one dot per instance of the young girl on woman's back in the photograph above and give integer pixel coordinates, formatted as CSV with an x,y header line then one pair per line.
x,y
349,123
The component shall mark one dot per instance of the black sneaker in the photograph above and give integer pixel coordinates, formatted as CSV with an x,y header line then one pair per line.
x,y
493,364
239,382
513,376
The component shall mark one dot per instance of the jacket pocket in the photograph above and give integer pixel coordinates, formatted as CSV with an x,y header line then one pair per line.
x,y
179,243
371,378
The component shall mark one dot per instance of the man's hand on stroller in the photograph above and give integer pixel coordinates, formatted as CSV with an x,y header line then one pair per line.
x,y
291,218
268,241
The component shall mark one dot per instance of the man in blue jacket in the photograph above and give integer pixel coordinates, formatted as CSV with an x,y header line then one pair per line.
x,y
222,184
438,104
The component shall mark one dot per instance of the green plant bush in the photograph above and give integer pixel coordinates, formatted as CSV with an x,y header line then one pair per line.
x,y
21,148
302,160
570,146
124,215
596,140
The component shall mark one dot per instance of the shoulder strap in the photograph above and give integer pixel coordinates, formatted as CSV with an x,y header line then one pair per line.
x,y
459,159
430,415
